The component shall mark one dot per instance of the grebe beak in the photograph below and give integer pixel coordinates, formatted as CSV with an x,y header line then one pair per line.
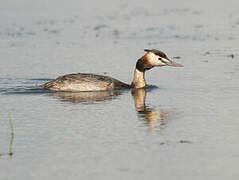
x,y
171,63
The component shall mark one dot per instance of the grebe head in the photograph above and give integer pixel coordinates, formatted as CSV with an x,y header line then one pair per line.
x,y
154,58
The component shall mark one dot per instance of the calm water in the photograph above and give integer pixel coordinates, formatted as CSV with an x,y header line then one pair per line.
x,y
185,128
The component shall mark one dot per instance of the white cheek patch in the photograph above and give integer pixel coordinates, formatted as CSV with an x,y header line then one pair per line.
x,y
161,61
162,64
165,61
155,60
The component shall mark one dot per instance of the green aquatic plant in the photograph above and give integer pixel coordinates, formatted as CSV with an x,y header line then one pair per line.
x,y
12,136
10,153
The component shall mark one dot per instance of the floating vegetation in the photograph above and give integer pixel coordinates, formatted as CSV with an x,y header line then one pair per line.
x,y
100,26
231,56
207,53
176,57
185,142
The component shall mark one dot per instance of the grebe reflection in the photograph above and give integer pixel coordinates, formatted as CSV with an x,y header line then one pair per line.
x,y
86,97
155,118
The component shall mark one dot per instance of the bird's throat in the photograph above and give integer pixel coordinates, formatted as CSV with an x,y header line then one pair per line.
x,y
138,81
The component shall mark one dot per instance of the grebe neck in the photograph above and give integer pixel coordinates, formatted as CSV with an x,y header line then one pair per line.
x,y
138,81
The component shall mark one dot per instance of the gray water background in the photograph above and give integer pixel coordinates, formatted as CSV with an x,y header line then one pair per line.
x,y
190,127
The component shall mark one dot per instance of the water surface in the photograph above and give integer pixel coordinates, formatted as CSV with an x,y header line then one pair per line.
x,y
185,128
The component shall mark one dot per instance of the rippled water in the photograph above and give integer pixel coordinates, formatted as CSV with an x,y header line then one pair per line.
x,y
183,127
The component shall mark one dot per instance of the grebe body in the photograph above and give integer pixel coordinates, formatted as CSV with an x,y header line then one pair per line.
x,y
85,82
92,82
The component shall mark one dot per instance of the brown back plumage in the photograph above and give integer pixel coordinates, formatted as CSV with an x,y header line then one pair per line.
x,y
85,82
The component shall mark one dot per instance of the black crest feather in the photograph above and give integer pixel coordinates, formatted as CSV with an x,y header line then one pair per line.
x,y
157,52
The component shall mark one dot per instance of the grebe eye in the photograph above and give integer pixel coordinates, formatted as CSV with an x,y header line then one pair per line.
x,y
160,58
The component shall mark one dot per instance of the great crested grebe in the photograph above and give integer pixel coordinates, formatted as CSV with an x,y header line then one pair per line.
x,y
92,82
